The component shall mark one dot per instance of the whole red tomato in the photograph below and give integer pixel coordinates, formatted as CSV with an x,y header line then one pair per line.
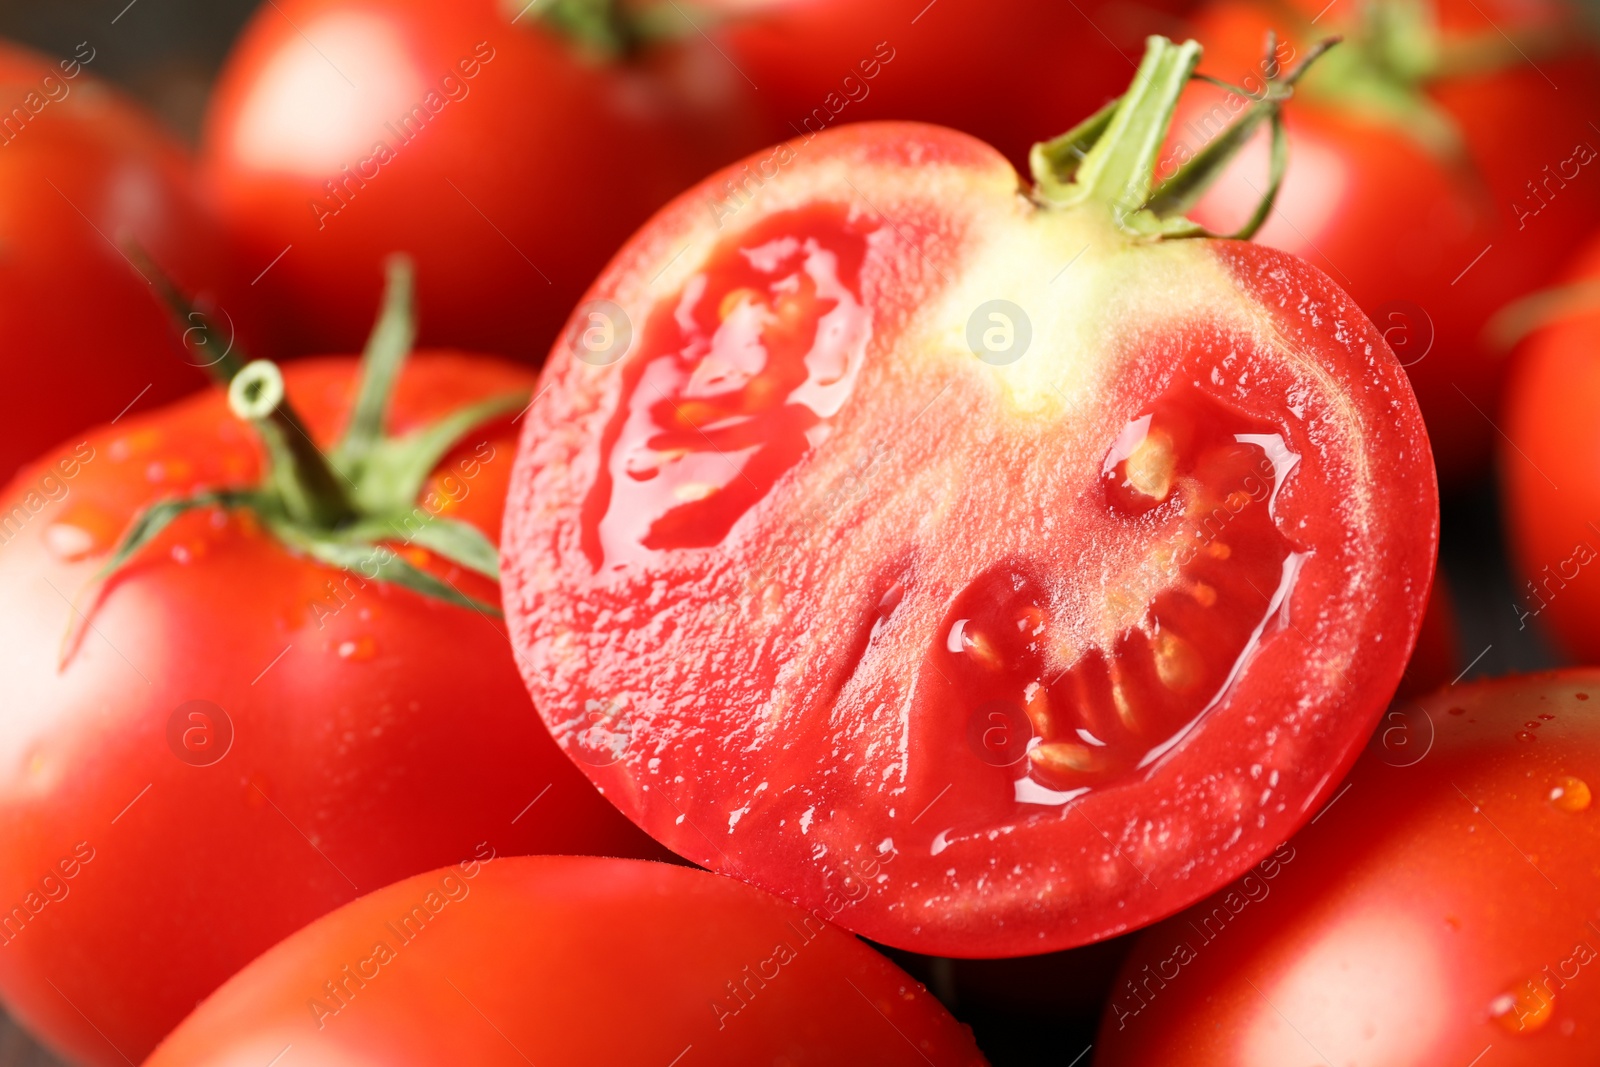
x,y
975,567
567,962
237,738
1547,466
82,169
1439,910
506,157
1438,170
1436,659
1008,71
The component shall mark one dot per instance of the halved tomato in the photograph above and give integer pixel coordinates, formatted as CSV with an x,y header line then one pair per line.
x,y
982,568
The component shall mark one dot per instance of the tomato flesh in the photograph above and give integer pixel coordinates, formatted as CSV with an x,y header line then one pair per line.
x,y
734,381
1102,706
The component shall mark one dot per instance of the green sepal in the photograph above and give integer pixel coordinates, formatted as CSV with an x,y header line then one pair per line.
x,y
149,523
376,561
459,542
387,347
389,478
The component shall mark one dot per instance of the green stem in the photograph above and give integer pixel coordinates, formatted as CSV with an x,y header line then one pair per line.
x,y
1118,169
312,492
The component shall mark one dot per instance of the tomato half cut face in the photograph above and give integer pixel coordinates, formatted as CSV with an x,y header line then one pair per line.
x,y
959,565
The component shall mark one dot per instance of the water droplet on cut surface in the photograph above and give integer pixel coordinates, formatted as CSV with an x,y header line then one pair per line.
x,y
1523,735
1570,794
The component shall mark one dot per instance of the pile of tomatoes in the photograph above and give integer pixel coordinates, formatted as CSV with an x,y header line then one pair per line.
x,y
800,531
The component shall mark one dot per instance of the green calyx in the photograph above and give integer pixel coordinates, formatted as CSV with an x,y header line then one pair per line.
x,y
1394,51
345,508
1111,157
609,29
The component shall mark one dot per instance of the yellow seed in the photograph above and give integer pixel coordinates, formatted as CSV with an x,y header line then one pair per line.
x,y
689,492
1038,708
1218,550
1152,466
1177,664
1063,757
732,301
981,649
1571,794
1119,698
1203,594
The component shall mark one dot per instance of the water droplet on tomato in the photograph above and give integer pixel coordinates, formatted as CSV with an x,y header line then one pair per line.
x,y
1524,735
358,649
1524,1009
68,542
1570,794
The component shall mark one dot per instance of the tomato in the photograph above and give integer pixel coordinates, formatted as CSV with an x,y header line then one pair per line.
x,y
237,738
1441,905
83,168
1436,659
1004,70
560,960
506,159
1434,198
976,560
1552,492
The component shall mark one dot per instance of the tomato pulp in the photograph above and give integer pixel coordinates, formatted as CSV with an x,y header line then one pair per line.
x,y
1440,168
241,738
957,561
1440,906
537,959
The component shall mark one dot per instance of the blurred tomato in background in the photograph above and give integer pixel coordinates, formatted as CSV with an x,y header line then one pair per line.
x,y
511,147
83,172
1439,168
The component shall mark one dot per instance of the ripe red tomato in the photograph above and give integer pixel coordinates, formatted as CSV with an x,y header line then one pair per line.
x,y
1007,71
1433,198
1436,659
83,168
564,961
469,134
1552,487
243,738
984,573
1440,908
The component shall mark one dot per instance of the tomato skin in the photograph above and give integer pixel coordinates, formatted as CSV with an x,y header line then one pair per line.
x,y
1436,659
1402,228
1548,474
556,951
375,733
819,62
488,198
751,678
1401,926
83,336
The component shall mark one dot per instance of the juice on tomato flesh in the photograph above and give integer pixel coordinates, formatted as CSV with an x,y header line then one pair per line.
x,y
735,382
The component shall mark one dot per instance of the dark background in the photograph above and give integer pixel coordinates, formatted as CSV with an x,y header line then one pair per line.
x,y
166,53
